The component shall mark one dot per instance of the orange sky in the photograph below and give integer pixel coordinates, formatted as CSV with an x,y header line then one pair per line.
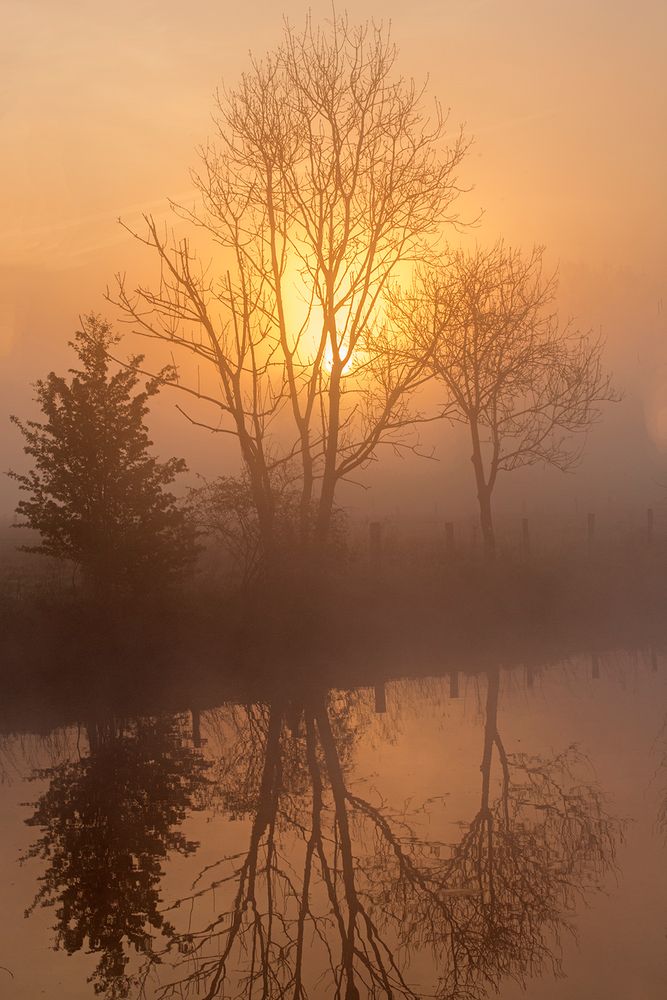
x,y
102,106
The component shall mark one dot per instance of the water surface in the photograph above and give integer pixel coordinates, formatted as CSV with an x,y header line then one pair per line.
x,y
451,836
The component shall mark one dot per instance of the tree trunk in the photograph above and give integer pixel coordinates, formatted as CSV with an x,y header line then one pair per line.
x,y
486,521
328,491
339,793
483,496
263,500
490,734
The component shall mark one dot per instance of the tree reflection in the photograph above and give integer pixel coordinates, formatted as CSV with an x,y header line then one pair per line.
x,y
108,822
333,891
297,889
337,893
544,841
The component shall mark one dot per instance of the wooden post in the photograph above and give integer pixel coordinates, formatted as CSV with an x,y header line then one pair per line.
x,y
525,538
196,727
380,698
649,525
595,664
293,718
454,684
591,532
449,539
375,542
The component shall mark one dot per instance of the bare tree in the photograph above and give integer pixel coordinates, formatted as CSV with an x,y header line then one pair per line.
x,y
224,513
337,890
523,383
296,899
546,842
324,180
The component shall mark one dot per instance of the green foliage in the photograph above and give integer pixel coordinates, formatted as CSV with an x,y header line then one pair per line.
x,y
95,494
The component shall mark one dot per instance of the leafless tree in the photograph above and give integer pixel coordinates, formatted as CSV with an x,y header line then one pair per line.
x,y
325,180
297,906
337,889
223,511
524,384
544,842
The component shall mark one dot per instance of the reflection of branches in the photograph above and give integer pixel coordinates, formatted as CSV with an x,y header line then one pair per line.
x,y
23,753
544,842
291,900
336,893
107,823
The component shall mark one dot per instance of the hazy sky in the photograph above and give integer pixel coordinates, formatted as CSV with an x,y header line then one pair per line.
x,y
103,104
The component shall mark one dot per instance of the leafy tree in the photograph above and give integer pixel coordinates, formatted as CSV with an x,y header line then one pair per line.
x,y
108,824
95,494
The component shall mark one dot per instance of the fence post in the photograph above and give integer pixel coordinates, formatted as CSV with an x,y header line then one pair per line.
x,y
454,684
196,727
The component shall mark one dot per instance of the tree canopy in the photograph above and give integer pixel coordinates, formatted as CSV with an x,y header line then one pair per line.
x,y
326,176
95,494
526,386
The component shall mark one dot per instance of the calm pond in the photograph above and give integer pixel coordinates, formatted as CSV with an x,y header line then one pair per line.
x,y
502,832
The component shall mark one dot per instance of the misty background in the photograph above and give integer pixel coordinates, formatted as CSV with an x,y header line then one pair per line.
x,y
102,109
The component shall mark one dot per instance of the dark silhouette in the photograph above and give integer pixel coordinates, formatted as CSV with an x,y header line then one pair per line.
x,y
545,841
522,384
107,824
96,495
343,890
326,175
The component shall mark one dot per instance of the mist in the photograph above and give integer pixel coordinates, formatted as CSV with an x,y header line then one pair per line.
x,y
333,534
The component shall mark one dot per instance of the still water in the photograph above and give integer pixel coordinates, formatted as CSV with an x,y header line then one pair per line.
x,y
465,836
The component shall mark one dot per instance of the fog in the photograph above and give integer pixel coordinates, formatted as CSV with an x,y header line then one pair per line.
x,y
103,108
319,727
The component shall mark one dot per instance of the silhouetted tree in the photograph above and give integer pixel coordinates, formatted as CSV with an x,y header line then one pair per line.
x,y
224,512
95,494
107,824
298,891
544,841
339,891
523,384
325,177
